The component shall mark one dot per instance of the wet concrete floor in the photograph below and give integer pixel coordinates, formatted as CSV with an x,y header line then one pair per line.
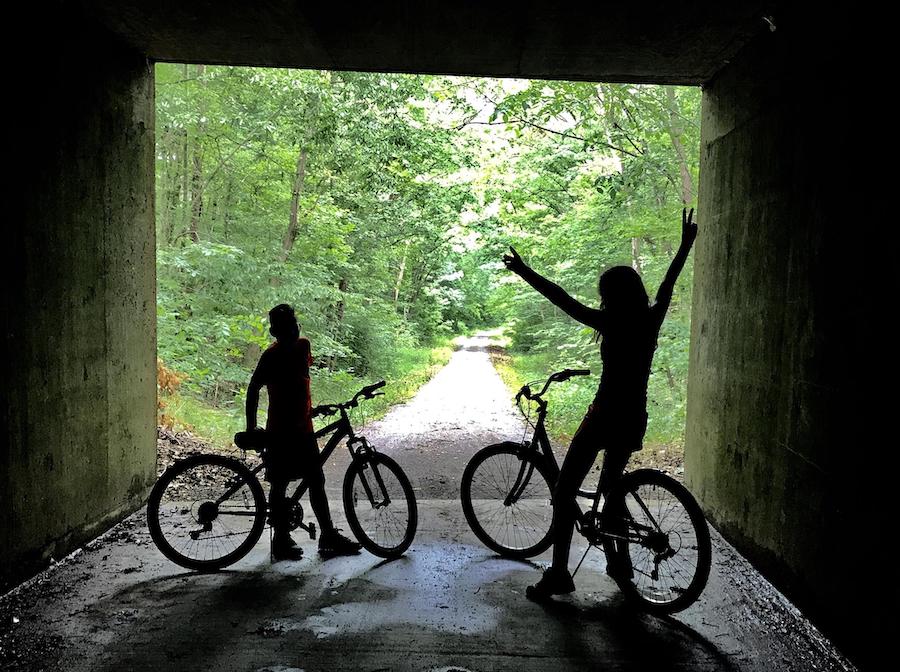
x,y
448,604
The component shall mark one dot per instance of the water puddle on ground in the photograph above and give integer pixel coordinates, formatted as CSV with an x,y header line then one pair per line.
x,y
435,587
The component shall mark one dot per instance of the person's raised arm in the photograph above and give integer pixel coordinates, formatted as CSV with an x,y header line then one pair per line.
x,y
556,294
688,234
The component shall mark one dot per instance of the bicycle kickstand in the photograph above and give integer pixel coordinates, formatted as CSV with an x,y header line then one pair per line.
x,y
590,546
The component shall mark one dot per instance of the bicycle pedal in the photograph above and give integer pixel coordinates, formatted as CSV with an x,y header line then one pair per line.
x,y
312,530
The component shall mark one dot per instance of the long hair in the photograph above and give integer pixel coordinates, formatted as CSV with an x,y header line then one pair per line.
x,y
622,294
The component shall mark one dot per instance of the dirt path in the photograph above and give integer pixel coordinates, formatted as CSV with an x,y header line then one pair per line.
x,y
462,409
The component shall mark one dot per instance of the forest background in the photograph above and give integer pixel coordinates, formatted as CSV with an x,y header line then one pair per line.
x,y
379,206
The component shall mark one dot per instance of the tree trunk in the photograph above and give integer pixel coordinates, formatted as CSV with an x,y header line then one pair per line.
x,y
169,184
197,173
636,254
196,196
676,132
338,323
400,273
287,243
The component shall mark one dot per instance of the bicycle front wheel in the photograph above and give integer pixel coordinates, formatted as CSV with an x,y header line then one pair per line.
x,y
380,505
206,512
506,499
664,557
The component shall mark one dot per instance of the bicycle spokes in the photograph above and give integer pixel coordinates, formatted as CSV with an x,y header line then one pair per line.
x,y
661,543
523,479
507,501
380,505
206,512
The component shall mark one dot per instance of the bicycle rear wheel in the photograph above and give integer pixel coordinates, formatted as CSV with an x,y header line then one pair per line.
x,y
206,512
507,501
665,563
380,505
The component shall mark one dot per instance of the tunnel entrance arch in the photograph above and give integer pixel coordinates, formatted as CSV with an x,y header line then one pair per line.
x,y
780,347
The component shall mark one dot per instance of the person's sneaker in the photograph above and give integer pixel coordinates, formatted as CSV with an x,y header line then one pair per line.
x,y
286,552
285,549
552,583
334,543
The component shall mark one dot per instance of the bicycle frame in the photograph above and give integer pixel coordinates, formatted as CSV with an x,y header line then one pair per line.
x,y
340,429
540,444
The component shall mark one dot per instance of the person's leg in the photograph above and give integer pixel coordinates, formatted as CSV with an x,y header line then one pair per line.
x,y
319,500
614,463
577,463
575,467
279,516
309,465
330,541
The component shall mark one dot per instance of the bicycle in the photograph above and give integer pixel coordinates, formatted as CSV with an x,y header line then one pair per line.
x,y
208,511
650,527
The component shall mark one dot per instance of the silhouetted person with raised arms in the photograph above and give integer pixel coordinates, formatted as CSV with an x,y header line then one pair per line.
x,y
291,449
627,325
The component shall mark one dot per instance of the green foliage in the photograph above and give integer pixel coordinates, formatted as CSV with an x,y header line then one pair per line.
x,y
410,369
379,205
601,172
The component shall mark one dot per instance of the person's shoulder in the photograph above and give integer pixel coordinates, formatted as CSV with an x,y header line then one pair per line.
x,y
303,343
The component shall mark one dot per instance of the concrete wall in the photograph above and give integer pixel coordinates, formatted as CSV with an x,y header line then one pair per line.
x,y
781,446
79,302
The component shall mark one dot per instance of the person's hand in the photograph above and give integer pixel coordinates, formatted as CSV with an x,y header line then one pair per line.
x,y
513,261
688,227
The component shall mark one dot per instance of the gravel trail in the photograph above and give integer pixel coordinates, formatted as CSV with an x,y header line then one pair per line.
x,y
463,408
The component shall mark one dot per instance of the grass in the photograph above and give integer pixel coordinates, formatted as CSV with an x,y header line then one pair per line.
x,y
568,402
409,369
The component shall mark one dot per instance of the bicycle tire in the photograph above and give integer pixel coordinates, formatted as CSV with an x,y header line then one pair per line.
x,y
521,529
385,531
183,498
668,501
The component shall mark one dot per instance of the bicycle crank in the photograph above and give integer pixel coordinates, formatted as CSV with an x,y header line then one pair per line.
x,y
296,520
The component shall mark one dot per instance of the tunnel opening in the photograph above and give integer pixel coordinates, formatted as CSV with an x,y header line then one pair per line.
x,y
780,347
379,206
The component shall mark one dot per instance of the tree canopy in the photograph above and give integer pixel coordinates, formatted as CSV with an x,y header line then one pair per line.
x,y
379,205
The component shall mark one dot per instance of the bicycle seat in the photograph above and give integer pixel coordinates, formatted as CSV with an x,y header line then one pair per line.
x,y
252,440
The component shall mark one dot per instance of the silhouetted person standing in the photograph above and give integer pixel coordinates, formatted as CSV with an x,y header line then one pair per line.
x,y
627,325
291,449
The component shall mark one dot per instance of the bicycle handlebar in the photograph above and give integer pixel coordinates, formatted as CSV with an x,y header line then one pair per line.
x,y
256,439
368,392
558,377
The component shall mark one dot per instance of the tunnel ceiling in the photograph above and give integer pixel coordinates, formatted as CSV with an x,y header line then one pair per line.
x,y
662,42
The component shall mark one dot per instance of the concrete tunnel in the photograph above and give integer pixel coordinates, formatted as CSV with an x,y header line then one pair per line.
x,y
781,425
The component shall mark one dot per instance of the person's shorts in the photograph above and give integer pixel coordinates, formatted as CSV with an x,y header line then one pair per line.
x,y
614,428
289,457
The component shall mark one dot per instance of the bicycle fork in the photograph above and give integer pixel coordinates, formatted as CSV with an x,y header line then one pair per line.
x,y
362,454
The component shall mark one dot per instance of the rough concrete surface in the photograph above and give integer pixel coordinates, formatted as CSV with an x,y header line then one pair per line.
x,y
448,604
782,381
78,307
